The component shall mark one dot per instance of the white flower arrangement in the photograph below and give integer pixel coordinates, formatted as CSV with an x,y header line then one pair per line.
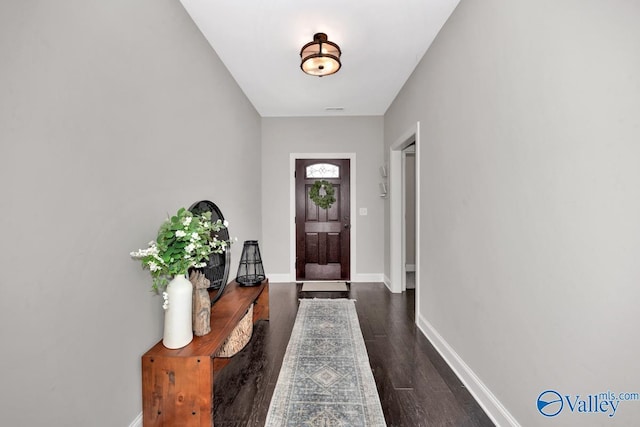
x,y
184,241
165,298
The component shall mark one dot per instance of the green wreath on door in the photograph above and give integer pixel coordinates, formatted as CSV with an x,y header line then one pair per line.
x,y
322,194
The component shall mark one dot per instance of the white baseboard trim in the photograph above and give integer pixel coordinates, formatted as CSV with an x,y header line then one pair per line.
x,y
487,400
410,267
280,278
387,282
137,422
372,277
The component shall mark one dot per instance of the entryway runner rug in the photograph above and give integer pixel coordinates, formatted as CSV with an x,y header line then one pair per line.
x,y
325,378
324,287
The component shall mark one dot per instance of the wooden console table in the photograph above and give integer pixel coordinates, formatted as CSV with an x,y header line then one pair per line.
x,y
177,385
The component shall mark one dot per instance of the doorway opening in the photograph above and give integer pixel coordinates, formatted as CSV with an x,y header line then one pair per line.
x,y
409,217
397,221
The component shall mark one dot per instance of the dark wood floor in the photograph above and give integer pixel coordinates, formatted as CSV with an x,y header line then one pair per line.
x,y
415,385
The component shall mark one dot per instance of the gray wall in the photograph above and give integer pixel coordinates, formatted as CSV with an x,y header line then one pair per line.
x,y
112,115
530,230
360,135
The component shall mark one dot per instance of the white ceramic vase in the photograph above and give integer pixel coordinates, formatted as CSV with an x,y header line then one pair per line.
x,y
178,324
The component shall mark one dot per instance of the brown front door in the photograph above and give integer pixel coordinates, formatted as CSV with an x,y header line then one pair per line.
x,y
322,235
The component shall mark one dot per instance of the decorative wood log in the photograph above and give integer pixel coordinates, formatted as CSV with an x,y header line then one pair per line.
x,y
239,337
201,304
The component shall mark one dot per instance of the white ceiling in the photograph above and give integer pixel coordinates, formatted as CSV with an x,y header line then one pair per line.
x,y
259,41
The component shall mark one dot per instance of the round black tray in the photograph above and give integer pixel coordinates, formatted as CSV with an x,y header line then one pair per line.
x,y
217,270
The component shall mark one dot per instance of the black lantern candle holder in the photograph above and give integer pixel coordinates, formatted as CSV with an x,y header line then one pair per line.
x,y
250,270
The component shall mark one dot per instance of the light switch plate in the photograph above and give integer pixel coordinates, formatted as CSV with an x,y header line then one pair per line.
x,y
363,211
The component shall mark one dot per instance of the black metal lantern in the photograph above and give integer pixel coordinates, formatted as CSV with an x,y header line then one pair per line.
x,y
250,270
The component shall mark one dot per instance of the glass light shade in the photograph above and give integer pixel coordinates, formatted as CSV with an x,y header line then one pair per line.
x,y
320,57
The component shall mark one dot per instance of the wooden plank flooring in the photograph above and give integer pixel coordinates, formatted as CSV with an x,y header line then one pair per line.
x,y
416,386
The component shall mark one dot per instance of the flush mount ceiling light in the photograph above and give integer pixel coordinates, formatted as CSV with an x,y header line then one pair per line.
x,y
320,57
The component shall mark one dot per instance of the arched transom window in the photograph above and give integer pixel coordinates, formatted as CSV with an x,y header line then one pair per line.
x,y
323,170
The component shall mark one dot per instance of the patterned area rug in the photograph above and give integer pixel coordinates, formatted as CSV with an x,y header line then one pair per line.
x,y
325,378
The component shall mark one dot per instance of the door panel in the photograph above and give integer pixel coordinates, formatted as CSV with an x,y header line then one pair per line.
x,y
333,247
323,235
311,249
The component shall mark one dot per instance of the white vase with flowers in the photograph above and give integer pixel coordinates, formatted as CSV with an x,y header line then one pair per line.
x,y
184,241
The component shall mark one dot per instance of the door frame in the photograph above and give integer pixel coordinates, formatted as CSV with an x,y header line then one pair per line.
x,y
292,207
396,222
